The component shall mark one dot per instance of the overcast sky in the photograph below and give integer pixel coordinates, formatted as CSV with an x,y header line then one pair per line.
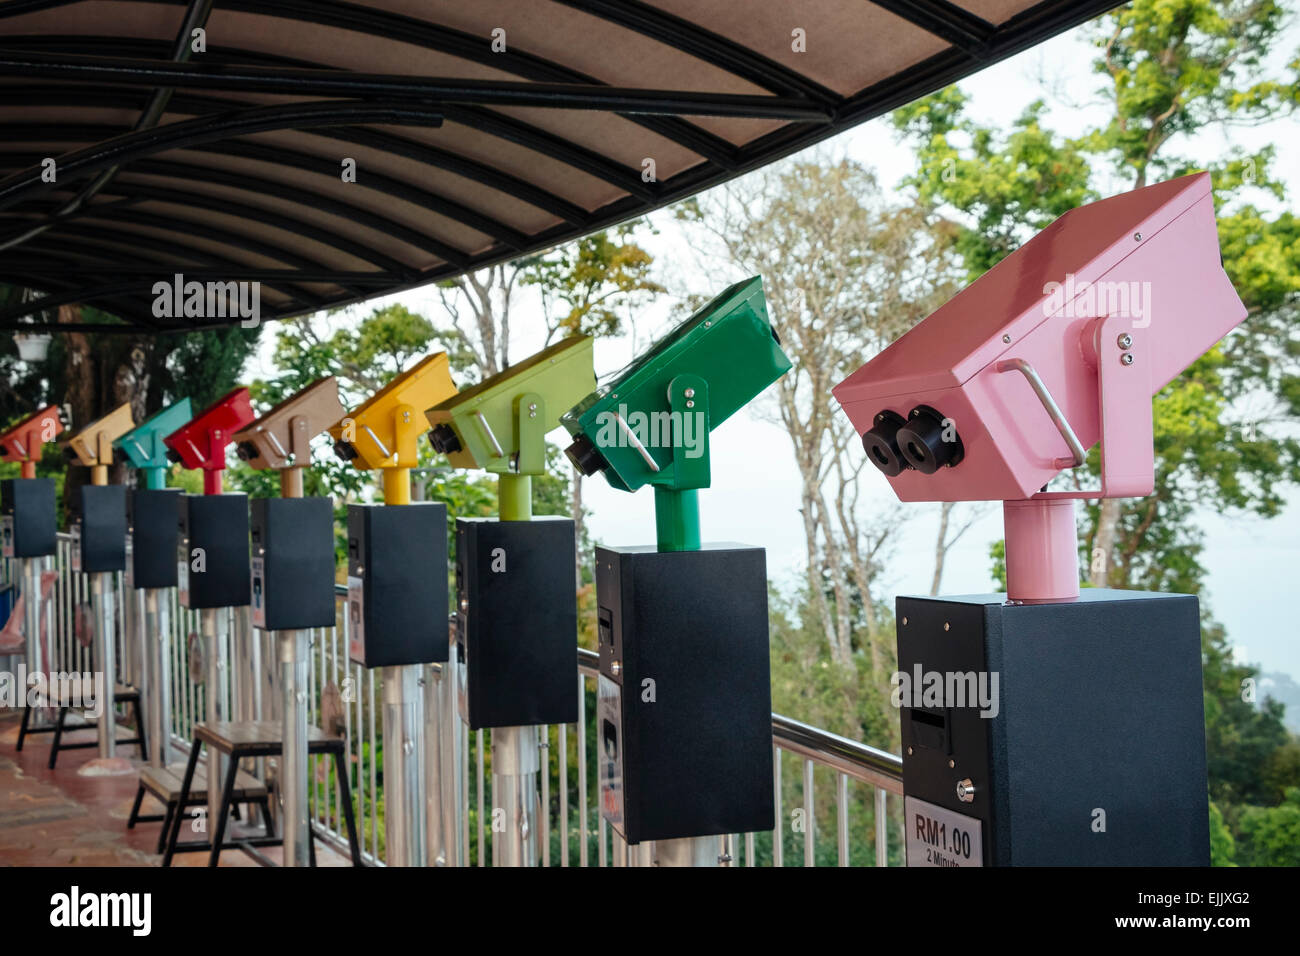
x,y
755,493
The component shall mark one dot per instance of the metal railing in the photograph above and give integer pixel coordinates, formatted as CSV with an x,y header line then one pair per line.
x,y
813,770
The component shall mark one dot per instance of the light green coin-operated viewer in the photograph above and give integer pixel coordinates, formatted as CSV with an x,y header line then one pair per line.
x,y
151,532
684,726
517,616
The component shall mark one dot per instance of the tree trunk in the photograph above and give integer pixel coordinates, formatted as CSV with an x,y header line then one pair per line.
x,y
80,398
940,547
575,502
1099,561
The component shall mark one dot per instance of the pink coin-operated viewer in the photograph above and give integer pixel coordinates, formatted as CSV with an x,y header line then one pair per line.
x,y
1052,725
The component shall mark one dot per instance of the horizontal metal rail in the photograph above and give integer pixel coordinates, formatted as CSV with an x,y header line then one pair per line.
x,y
254,697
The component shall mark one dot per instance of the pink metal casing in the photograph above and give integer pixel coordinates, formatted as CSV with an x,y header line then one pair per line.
x,y
1162,237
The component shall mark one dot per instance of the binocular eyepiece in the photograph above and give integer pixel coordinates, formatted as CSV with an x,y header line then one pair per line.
x,y
246,451
69,453
925,441
585,456
173,456
344,451
443,439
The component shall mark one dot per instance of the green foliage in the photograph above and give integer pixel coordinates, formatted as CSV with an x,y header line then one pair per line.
x,y
1170,68
587,285
1270,836
206,365
1222,845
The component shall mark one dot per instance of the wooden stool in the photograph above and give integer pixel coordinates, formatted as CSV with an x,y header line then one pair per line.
x,y
165,785
122,694
254,738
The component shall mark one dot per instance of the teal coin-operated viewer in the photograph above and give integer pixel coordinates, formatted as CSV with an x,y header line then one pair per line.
x,y
684,732
151,537
517,606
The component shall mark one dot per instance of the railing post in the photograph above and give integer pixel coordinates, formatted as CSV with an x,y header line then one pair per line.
x,y
882,827
809,816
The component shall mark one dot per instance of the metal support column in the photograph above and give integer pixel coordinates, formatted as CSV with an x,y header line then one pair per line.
x,y
295,661
404,794
158,638
216,633
516,762
101,589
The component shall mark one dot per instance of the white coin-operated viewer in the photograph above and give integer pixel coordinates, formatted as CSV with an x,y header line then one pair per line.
x,y
1052,724
292,576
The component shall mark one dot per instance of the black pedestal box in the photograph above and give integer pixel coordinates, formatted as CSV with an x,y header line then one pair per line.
x,y
397,584
99,529
293,562
684,726
155,529
1093,752
517,623
27,524
212,551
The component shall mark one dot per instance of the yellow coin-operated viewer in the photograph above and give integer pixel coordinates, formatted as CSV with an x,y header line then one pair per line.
x,y
397,585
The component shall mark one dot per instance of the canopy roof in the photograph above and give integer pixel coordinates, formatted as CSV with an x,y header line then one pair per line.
x,y
227,164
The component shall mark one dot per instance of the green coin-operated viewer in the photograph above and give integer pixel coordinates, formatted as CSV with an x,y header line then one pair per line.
x,y
397,585
151,536
292,577
98,527
684,696
517,611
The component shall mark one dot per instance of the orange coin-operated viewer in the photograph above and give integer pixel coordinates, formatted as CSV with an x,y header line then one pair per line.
x,y
1052,725
28,525
212,566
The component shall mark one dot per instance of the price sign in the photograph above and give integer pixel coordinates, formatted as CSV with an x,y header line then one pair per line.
x,y
939,837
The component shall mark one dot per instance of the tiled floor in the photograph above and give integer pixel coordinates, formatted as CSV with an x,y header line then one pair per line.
x,y
59,818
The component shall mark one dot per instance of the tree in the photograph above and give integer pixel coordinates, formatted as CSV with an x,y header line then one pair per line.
x,y
88,375
1223,429
1271,835
588,287
845,271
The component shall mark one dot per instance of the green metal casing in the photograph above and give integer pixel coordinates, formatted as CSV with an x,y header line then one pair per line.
x,y
143,445
495,422
728,347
